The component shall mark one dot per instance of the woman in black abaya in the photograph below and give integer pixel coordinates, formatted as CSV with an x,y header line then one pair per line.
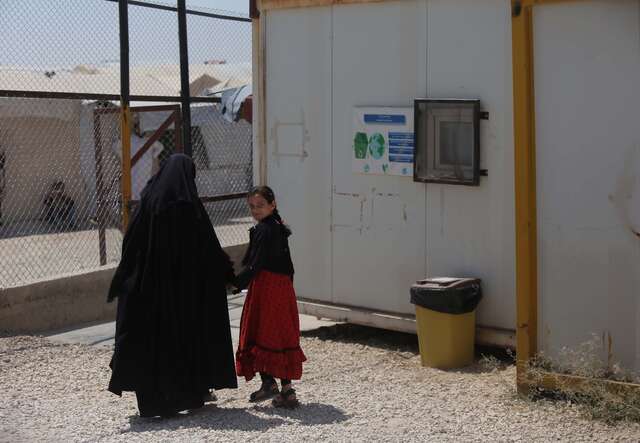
x,y
173,340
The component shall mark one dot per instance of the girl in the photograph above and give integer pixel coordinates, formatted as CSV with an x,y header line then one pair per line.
x,y
269,328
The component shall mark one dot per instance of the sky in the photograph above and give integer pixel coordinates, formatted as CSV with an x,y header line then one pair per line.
x,y
55,34
227,5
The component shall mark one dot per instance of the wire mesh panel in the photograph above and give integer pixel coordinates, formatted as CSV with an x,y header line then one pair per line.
x,y
231,220
154,51
61,176
49,209
57,46
222,152
219,53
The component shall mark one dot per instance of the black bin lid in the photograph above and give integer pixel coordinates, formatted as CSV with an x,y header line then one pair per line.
x,y
449,295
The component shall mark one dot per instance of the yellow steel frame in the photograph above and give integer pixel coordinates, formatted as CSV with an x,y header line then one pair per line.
x,y
526,210
125,131
525,187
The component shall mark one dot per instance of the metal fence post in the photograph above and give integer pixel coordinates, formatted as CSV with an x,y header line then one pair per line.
x,y
100,194
185,94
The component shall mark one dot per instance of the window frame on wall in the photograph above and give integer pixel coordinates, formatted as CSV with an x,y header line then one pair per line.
x,y
428,165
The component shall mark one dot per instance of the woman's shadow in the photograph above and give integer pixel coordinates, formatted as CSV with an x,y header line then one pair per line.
x,y
241,419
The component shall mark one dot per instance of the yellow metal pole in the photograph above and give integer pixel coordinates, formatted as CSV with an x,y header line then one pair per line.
x,y
125,114
525,189
125,131
526,213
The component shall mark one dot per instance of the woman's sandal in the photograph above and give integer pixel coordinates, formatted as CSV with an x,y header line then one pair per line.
x,y
286,399
209,397
266,391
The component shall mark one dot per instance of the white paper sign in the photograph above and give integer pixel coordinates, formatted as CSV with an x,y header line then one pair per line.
x,y
382,141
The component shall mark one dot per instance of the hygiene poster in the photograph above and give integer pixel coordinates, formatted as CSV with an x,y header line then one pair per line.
x,y
382,141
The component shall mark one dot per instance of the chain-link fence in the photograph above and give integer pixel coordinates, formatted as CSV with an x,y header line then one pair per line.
x,y
61,176
48,198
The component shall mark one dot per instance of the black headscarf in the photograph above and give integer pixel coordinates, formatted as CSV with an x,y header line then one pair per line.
x,y
174,183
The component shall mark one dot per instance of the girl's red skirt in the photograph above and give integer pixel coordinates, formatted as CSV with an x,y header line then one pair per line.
x,y
270,329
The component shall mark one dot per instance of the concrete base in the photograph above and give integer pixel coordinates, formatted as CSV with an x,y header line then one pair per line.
x,y
56,303
487,336
103,334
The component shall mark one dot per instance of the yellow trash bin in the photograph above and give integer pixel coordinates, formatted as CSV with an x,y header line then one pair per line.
x,y
446,319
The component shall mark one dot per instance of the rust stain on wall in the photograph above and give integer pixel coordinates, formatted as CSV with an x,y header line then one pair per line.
x,y
625,192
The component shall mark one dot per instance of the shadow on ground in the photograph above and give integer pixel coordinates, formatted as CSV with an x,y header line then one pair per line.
x,y
308,414
487,358
241,419
364,335
208,417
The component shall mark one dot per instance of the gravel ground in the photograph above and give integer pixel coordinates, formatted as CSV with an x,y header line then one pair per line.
x,y
360,384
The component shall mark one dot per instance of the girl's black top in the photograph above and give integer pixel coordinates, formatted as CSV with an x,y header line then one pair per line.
x,y
268,251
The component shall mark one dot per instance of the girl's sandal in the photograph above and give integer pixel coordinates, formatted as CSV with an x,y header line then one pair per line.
x,y
286,399
266,391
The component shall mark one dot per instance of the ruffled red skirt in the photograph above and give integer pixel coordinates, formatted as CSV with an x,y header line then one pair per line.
x,y
270,330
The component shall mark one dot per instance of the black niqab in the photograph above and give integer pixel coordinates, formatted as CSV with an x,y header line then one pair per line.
x,y
175,183
173,339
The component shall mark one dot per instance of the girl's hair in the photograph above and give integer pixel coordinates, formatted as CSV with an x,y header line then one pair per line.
x,y
267,193
264,191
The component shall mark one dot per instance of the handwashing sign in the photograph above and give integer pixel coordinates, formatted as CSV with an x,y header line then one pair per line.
x,y
383,141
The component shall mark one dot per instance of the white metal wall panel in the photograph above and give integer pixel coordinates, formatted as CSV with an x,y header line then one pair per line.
x,y
379,59
298,110
470,230
587,71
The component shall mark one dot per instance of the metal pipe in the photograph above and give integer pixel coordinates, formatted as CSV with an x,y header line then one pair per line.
x,y
157,108
125,120
223,197
101,205
178,132
185,93
189,11
101,97
158,133
123,15
209,199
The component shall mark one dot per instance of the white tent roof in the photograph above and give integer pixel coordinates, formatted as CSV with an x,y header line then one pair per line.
x,y
145,80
